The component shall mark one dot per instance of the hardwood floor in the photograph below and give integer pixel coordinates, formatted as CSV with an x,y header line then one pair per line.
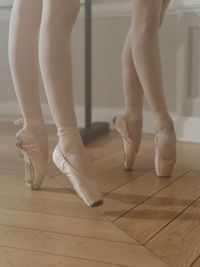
x,y
145,221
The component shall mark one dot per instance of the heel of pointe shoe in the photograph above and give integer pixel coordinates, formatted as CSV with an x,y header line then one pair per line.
x,y
164,168
29,171
31,181
87,190
129,147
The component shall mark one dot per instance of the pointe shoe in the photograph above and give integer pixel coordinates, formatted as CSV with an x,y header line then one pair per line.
x,y
130,148
164,165
85,187
35,159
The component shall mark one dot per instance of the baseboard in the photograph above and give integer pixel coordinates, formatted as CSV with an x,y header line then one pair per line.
x,y
187,128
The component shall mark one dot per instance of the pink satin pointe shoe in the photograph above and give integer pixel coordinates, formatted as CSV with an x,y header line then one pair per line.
x,y
130,147
85,187
35,158
165,150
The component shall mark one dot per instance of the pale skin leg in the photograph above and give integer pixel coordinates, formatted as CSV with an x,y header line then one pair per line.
x,y
23,29
24,25
146,52
58,18
25,21
133,91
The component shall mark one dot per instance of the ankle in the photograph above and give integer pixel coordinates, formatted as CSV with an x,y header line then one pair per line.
x,y
36,121
133,116
162,118
69,136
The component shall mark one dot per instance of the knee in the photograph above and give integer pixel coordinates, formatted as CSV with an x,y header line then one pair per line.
x,y
145,25
28,13
63,14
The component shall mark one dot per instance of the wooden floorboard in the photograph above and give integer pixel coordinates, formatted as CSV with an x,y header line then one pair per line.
x,y
18,258
145,221
130,195
196,262
64,225
179,242
154,214
77,246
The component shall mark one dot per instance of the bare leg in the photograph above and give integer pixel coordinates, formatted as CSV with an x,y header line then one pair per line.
x,y
23,29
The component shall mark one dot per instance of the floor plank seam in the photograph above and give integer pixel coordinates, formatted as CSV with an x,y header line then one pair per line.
x,y
126,183
194,261
67,234
146,242
157,257
53,214
71,187
113,167
179,177
64,256
127,234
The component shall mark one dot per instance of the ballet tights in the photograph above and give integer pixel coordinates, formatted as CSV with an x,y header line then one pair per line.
x,y
141,65
23,45
48,23
58,18
23,33
133,93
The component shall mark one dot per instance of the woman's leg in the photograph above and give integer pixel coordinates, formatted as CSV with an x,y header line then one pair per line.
x,y
32,139
147,60
133,94
23,29
146,53
58,18
133,91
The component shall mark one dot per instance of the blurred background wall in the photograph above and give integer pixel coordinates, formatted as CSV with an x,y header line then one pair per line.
x,y
180,51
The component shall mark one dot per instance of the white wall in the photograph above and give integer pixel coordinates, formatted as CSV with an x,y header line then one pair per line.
x,y
180,42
